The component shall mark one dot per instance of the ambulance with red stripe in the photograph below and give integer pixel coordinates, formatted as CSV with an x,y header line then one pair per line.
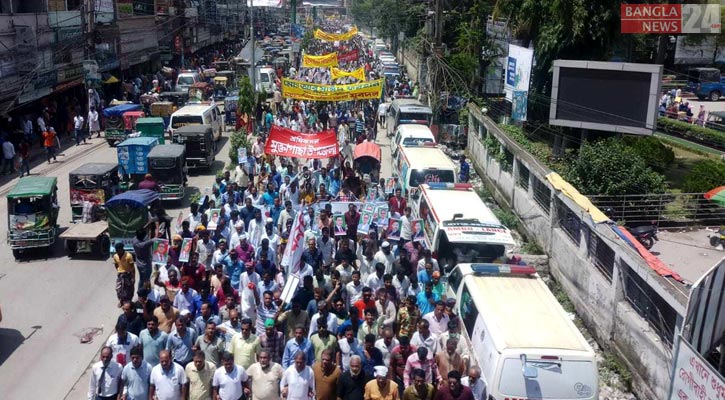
x,y
458,226
520,336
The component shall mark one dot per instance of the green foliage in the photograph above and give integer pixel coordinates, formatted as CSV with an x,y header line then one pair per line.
x,y
507,218
465,63
531,247
237,140
492,145
689,131
609,167
657,156
704,175
536,149
247,96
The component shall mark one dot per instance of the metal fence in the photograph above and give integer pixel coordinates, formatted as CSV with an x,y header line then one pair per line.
x,y
665,210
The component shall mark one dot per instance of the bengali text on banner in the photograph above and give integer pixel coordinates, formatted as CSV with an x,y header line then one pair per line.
x,y
325,60
358,74
288,143
333,37
310,91
349,56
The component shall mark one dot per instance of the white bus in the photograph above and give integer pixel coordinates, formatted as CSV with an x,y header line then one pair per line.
x,y
522,339
458,226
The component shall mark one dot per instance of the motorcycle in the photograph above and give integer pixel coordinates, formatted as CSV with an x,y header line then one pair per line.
x,y
718,239
646,235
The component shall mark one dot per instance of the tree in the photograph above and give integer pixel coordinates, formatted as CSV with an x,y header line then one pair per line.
x,y
704,175
609,167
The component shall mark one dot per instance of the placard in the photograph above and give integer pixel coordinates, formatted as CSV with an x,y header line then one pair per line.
x,y
185,253
290,287
242,155
393,231
339,225
213,218
416,228
366,217
160,252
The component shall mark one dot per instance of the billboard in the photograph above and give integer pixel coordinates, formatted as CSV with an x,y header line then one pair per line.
x,y
518,70
605,96
670,18
693,375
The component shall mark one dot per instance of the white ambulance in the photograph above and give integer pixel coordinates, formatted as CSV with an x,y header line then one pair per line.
x,y
458,226
520,336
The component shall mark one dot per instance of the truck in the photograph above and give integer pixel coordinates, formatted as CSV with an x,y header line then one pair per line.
x,y
706,83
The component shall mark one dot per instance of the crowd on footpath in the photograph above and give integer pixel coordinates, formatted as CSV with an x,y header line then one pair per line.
x,y
365,317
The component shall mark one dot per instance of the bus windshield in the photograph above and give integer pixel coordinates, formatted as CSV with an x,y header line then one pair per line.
x,y
413,118
183,120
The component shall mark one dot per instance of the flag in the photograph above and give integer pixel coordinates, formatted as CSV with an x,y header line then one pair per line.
x,y
292,257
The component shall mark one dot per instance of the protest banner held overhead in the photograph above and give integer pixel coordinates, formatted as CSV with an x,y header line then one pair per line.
x,y
288,143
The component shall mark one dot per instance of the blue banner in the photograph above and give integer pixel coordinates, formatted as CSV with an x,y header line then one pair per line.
x,y
519,105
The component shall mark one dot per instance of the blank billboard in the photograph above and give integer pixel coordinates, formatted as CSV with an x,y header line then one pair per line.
x,y
607,96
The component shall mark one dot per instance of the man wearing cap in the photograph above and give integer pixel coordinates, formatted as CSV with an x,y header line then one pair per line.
x,y
381,388
385,256
236,236
272,341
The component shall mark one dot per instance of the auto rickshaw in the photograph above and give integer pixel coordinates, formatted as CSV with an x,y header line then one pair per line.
x,y
129,120
220,87
222,65
152,127
200,91
163,110
199,143
92,183
133,158
167,164
179,99
115,124
33,214
367,158
126,213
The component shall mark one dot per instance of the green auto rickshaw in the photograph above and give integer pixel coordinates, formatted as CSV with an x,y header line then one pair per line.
x,y
167,164
32,214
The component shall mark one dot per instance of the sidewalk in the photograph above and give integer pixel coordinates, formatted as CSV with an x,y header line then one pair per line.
x,y
39,165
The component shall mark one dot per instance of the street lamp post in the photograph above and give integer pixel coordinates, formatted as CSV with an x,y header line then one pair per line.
x,y
251,37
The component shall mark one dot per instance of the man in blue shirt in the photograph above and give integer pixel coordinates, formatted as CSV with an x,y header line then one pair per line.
x,y
270,195
298,343
427,299
465,172
135,376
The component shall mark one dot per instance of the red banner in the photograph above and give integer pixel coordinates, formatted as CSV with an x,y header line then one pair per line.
x,y
651,18
288,143
349,56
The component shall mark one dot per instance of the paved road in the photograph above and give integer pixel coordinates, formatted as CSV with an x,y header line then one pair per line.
x,y
48,303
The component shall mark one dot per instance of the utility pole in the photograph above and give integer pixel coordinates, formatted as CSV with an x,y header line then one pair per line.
x,y
438,29
251,38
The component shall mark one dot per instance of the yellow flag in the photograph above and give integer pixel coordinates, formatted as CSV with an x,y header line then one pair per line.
x,y
325,60
358,74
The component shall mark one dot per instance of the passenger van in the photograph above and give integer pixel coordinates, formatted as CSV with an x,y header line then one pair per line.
x,y
198,114
265,79
522,339
458,226
426,163
409,134
407,111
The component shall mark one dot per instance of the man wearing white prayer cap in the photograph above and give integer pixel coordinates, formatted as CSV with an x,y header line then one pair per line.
x,y
381,387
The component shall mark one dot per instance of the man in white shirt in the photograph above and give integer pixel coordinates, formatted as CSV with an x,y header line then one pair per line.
x,y
105,377
168,379
121,343
474,381
437,319
385,256
298,381
78,121
8,157
386,344
230,381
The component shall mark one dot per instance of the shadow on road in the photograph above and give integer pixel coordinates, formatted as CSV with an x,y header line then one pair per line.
x,y
10,340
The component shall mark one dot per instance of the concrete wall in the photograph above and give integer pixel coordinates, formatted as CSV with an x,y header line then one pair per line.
x,y
599,300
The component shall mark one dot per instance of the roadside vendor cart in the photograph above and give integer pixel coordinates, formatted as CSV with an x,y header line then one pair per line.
x,y
89,238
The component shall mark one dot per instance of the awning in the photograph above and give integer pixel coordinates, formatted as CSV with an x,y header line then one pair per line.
x,y
583,201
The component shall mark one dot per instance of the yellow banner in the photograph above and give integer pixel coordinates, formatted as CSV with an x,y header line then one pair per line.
x,y
332,37
358,74
325,60
309,91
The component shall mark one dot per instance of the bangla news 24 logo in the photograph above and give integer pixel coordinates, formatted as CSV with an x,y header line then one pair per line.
x,y
670,18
